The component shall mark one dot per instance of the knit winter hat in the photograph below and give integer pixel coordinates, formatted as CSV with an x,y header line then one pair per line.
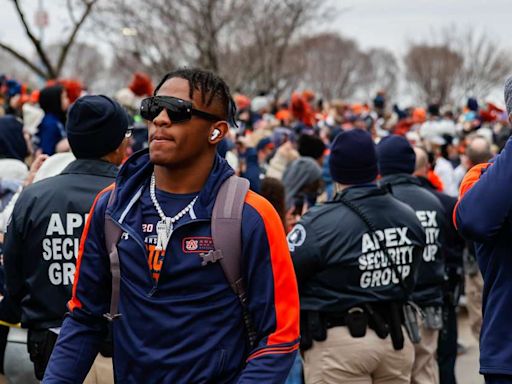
x,y
353,159
311,146
96,126
395,155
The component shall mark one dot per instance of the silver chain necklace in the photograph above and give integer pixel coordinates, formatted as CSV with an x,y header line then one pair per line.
x,y
165,226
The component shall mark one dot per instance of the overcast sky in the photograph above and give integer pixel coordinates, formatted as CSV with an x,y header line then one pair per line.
x,y
393,23
374,23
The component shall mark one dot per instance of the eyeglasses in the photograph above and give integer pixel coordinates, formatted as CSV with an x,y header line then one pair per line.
x,y
178,110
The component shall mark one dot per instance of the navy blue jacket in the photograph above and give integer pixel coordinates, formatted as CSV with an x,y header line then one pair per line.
x,y
187,328
50,132
484,215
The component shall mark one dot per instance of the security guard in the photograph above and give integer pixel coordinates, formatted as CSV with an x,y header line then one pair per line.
x,y
397,162
42,239
355,258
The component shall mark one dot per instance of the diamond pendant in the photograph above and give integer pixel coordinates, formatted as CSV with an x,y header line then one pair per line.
x,y
164,230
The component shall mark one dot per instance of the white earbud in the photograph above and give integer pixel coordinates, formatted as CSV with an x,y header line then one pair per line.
x,y
215,134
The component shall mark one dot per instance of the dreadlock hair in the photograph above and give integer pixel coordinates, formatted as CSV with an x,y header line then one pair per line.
x,y
211,87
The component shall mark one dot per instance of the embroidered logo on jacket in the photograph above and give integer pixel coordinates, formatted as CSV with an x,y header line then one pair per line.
x,y
197,244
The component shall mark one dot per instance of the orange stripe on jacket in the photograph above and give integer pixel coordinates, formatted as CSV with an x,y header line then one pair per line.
x,y
286,298
471,177
74,302
277,350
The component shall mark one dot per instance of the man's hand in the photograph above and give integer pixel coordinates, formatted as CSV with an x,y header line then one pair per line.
x,y
38,162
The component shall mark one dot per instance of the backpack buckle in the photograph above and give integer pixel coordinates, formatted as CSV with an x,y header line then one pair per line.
x,y
111,317
210,257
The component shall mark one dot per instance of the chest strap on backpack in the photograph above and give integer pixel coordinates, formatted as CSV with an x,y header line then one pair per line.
x,y
227,238
112,235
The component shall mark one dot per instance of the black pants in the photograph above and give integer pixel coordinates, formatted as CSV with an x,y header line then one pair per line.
x,y
447,346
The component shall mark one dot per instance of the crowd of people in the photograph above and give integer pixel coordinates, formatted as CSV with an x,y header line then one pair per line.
x,y
365,193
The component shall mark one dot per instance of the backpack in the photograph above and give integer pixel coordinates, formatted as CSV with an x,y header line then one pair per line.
x,y
226,229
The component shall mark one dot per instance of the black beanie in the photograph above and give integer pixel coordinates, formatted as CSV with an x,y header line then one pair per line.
x,y
353,158
396,155
311,146
96,126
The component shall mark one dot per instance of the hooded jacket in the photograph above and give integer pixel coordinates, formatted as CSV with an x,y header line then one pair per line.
x,y
188,327
430,212
483,215
339,264
300,173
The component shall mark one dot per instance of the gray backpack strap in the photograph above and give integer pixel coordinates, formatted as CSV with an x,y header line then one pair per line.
x,y
112,235
227,239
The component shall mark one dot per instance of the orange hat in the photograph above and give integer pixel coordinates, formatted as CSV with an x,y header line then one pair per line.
x,y
242,101
141,84
357,108
284,114
419,115
73,89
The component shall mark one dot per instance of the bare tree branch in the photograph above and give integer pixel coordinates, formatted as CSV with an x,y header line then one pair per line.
x,y
23,59
433,70
71,39
35,41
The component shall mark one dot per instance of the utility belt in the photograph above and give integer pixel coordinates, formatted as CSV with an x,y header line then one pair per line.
x,y
385,319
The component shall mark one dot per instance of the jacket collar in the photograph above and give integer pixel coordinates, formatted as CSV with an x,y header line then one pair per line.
x,y
135,175
424,182
399,178
91,167
359,192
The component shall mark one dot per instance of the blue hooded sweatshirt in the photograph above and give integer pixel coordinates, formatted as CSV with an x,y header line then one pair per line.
x,y
188,327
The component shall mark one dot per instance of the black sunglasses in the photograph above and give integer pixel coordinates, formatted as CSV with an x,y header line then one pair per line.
x,y
178,110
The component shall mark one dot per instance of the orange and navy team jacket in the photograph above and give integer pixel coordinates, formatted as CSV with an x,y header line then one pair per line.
x,y
187,327
483,215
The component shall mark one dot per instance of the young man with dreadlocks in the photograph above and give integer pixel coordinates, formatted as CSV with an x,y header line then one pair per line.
x,y
181,321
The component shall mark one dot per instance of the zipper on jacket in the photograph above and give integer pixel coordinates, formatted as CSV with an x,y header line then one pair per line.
x,y
165,256
127,229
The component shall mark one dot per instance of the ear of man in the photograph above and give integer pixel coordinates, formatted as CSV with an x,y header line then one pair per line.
x,y
217,132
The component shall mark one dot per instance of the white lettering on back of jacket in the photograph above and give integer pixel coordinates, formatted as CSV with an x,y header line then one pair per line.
x,y
378,270
61,244
429,222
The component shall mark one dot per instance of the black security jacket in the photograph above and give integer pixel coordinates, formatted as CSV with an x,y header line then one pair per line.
x,y
454,243
430,212
339,264
42,241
